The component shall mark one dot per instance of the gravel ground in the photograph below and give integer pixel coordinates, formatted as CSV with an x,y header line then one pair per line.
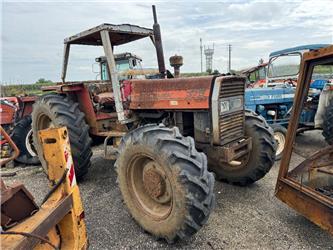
x,y
244,217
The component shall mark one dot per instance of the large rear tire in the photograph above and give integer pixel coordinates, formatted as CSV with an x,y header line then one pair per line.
x,y
54,110
22,137
255,165
164,182
328,124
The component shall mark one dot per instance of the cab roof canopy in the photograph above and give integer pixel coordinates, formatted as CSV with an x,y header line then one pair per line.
x,y
309,47
119,34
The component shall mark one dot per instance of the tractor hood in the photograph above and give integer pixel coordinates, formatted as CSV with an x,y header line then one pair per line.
x,y
183,93
174,93
263,96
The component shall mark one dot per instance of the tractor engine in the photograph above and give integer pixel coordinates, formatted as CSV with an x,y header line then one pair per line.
x,y
102,97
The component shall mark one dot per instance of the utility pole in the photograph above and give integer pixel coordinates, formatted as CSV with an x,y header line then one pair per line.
x,y
229,55
201,53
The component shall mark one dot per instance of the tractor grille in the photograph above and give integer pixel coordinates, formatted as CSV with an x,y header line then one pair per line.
x,y
232,88
231,124
231,127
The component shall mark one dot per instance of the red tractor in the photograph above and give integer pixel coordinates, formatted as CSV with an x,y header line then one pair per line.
x,y
15,117
161,130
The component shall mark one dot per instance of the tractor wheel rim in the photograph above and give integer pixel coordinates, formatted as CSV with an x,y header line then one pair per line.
x,y
44,122
29,144
156,183
150,187
281,141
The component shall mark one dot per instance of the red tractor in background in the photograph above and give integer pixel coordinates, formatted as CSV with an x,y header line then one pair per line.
x,y
161,131
15,117
256,75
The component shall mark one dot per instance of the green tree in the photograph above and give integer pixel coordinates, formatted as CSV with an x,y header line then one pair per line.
x,y
216,72
43,81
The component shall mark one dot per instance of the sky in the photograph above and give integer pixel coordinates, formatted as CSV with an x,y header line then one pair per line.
x,y
32,33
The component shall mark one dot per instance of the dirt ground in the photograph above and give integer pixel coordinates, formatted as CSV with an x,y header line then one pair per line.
x,y
244,217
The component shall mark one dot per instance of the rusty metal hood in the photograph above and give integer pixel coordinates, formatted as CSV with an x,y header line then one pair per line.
x,y
174,93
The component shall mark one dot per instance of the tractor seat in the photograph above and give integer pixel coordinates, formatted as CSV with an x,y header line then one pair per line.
x,y
105,98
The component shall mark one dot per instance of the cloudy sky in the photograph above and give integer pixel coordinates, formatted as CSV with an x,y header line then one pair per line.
x,y
32,33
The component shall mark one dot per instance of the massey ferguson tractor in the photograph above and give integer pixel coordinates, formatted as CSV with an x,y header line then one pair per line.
x,y
128,67
160,131
15,118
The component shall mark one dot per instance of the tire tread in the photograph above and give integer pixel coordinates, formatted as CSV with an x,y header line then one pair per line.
x,y
194,175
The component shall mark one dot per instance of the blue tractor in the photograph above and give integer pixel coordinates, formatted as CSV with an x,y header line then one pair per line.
x,y
274,101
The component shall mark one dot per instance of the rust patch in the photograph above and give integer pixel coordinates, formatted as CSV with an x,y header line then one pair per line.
x,y
153,183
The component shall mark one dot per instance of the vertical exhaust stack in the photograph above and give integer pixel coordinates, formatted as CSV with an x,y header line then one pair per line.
x,y
158,44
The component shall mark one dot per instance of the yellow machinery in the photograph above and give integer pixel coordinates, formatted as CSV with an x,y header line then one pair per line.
x,y
59,222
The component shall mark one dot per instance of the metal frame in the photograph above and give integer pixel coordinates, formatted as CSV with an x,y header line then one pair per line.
x,y
283,76
100,35
216,110
124,33
16,151
315,206
106,41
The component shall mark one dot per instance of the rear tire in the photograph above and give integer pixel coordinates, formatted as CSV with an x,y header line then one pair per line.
x,y
258,162
22,137
164,182
328,124
280,134
54,110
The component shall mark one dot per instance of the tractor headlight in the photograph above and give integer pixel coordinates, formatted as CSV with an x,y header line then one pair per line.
x,y
231,105
224,106
236,103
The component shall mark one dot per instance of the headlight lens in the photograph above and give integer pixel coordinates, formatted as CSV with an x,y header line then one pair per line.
x,y
225,106
231,105
236,103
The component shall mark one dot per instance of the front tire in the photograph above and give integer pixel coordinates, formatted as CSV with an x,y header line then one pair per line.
x,y
257,163
164,182
22,137
55,110
328,124
280,134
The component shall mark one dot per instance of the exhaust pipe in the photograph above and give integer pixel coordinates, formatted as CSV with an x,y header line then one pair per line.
x,y
176,62
158,44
